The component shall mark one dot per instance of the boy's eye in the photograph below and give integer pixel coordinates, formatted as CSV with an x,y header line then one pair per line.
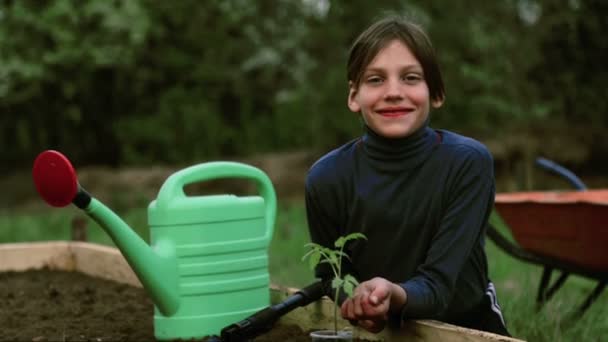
x,y
374,80
412,78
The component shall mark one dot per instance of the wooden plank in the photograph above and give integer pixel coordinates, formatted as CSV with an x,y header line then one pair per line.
x,y
36,255
319,315
103,262
429,330
107,262
92,259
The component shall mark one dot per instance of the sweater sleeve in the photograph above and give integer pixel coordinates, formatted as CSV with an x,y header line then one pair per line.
x,y
323,225
469,203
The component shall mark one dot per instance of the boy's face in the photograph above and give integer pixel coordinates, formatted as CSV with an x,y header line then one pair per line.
x,y
393,96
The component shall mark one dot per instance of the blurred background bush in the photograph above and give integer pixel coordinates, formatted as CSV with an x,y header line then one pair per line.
x,y
143,82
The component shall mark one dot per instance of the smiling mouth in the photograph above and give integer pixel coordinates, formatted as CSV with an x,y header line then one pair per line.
x,y
395,112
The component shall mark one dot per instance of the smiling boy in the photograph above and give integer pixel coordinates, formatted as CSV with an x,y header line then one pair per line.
x,y
421,196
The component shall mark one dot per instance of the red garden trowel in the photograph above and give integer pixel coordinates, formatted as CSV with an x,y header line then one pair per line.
x,y
207,263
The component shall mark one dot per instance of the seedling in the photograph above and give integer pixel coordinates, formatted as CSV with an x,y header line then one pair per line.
x,y
319,254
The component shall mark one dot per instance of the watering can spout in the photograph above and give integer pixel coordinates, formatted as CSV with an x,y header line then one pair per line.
x,y
157,272
156,267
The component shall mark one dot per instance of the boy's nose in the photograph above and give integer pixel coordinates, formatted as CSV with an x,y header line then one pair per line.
x,y
393,90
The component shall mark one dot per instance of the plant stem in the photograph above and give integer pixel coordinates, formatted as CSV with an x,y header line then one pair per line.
x,y
339,275
336,312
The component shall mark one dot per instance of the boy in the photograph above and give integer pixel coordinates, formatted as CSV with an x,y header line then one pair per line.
x,y
421,196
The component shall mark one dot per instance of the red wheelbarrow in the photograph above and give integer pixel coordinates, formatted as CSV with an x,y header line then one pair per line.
x,y
559,230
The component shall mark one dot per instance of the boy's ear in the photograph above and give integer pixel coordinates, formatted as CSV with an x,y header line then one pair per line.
x,y
437,102
353,105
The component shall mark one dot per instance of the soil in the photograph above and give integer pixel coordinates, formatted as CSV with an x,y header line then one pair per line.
x,y
50,305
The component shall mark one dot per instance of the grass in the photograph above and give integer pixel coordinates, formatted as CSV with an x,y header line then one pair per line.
x,y
516,281
517,286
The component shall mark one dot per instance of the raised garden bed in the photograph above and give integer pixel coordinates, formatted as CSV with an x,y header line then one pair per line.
x,y
78,291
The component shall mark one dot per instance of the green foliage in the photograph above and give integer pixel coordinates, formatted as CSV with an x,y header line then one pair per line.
x,y
319,254
63,62
144,81
341,282
572,49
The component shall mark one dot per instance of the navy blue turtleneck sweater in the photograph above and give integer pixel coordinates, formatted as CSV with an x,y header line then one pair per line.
x,y
423,202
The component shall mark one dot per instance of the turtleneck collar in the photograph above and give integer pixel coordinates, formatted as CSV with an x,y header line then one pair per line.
x,y
399,154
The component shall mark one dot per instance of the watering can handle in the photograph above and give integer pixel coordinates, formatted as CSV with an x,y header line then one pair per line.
x,y
174,185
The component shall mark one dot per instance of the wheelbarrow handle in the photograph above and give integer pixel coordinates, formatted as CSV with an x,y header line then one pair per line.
x,y
561,171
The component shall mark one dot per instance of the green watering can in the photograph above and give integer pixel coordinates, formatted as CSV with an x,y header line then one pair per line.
x,y
207,265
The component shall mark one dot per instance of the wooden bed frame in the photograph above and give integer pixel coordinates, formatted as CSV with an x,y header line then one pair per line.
x,y
108,263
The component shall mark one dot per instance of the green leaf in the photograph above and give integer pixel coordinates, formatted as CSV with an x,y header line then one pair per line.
x,y
340,242
348,288
313,245
354,236
350,283
327,251
333,258
313,261
351,280
307,254
342,254
336,283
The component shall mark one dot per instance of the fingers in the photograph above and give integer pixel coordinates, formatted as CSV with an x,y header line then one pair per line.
x,y
362,313
368,309
359,307
373,326
359,301
346,311
367,324
371,301
352,308
379,294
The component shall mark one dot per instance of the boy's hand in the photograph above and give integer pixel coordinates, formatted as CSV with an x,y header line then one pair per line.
x,y
371,303
371,325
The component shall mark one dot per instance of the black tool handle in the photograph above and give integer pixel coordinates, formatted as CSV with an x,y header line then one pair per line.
x,y
250,327
302,297
263,320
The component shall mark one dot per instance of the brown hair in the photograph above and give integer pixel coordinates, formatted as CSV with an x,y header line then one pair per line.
x,y
379,34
